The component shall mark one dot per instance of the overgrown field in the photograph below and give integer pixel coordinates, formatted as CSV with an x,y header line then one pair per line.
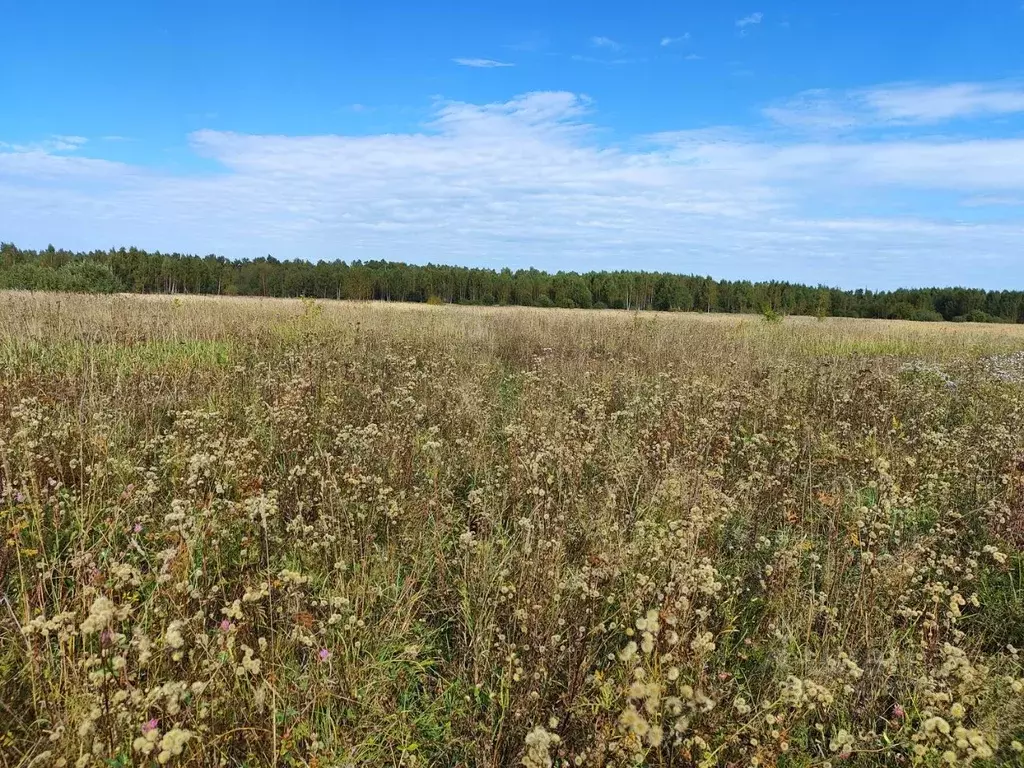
x,y
247,532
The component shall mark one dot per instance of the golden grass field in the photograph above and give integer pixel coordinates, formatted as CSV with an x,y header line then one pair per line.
x,y
253,532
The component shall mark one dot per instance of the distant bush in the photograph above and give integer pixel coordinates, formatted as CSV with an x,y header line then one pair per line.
x,y
76,277
88,277
978,316
770,315
902,310
544,301
434,300
29,277
927,316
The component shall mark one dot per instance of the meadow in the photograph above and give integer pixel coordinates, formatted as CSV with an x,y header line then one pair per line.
x,y
250,532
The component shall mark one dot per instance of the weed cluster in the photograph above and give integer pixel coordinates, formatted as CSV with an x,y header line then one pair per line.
x,y
246,532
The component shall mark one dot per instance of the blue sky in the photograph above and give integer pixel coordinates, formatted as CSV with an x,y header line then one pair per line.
x,y
857,144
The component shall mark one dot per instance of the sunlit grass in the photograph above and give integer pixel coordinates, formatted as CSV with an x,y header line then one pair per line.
x,y
248,532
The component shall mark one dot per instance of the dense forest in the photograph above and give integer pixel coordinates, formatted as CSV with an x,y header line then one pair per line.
x,y
131,269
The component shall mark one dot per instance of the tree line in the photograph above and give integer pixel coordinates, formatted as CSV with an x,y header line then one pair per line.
x,y
139,271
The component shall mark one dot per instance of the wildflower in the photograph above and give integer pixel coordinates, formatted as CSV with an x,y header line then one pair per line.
x,y
323,654
292,577
647,644
101,613
936,724
842,741
628,653
147,742
898,712
538,744
999,557
172,744
173,636
655,735
633,722
249,663
652,621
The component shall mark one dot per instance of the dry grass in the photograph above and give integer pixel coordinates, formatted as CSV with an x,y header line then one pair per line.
x,y
251,532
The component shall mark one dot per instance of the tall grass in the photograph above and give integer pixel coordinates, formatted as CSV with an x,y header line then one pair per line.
x,y
271,532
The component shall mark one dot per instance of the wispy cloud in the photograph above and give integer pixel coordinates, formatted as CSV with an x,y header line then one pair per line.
x,y
605,42
746,21
619,61
67,143
926,104
897,104
534,180
54,143
814,110
985,201
667,41
482,63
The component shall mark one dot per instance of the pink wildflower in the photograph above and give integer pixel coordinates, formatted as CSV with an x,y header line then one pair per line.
x,y
324,654
151,725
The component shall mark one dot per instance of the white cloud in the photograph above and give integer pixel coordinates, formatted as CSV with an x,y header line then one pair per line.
x,y
667,41
52,144
607,62
924,104
533,180
482,63
746,21
983,201
67,143
605,42
898,104
815,110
